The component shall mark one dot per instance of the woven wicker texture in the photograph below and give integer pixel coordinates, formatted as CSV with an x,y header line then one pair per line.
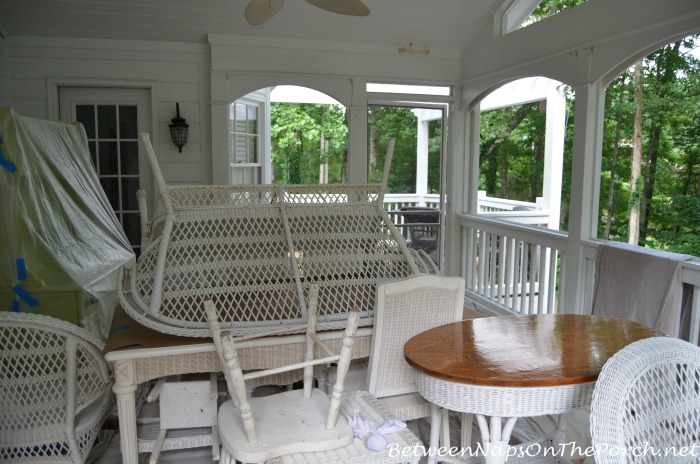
x,y
646,404
504,401
55,389
255,249
404,309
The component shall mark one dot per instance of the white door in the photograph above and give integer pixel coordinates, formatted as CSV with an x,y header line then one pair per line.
x,y
113,118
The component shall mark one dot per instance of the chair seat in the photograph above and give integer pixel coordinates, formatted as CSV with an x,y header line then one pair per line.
x,y
357,453
303,429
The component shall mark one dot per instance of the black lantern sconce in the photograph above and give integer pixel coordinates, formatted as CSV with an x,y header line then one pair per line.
x,y
178,130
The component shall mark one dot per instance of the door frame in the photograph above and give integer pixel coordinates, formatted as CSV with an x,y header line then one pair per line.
x,y
55,84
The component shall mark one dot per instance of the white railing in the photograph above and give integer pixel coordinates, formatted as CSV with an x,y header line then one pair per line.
x,y
489,204
511,267
394,201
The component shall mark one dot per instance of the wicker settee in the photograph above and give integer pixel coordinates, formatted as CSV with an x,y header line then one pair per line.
x,y
255,249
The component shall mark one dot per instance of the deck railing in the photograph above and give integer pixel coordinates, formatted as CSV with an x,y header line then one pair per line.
x,y
511,267
516,269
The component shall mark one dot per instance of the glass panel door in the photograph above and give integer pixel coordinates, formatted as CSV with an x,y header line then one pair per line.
x,y
112,122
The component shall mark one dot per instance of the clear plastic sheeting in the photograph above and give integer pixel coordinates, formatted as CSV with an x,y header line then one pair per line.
x,y
62,245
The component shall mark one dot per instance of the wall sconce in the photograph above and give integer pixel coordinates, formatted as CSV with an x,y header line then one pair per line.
x,y
178,129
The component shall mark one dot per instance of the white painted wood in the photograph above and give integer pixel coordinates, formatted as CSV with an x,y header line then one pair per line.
x,y
4,77
262,428
155,391
583,208
187,405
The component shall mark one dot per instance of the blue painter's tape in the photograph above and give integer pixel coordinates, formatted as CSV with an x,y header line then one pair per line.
x,y
21,269
118,329
26,297
15,305
10,166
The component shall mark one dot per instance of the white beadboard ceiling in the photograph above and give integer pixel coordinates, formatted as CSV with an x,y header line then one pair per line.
x,y
435,24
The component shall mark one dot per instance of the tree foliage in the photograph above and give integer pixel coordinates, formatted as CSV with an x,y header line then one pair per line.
x,y
670,132
298,133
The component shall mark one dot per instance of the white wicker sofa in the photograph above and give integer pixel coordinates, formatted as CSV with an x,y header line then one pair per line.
x,y
255,249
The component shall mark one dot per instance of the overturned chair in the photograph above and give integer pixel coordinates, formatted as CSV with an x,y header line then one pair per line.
x,y
305,425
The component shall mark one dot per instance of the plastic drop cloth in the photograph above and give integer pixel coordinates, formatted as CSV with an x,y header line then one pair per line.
x,y
61,244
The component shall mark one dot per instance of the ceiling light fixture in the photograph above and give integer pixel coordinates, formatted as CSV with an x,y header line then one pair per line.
x,y
411,50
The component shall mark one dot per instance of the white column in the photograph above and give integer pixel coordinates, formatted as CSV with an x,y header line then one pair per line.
x,y
585,191
461,177
554,155
422,161
357,127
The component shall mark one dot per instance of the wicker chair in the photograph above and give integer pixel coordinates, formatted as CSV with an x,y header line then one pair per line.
x,y
55,389
403,309
647,401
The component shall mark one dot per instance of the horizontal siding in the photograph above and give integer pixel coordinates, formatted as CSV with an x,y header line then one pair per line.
x,y
4,77
174,70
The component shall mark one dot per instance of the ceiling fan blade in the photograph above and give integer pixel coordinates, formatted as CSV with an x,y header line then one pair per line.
x,y
344,7
259,11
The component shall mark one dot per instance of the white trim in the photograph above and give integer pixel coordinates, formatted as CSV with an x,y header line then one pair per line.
x,y
53,84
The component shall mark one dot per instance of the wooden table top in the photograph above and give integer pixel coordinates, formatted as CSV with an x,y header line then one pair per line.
x,y
523,351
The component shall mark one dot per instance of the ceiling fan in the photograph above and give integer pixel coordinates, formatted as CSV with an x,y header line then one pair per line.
x,y
259,11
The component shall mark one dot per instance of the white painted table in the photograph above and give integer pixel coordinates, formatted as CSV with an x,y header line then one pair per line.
x,y
133,366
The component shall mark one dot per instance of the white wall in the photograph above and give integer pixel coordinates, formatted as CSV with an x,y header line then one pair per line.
x,y
175,73
243,64
5,99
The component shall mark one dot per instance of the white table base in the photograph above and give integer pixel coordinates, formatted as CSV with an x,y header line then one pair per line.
x,y
496,409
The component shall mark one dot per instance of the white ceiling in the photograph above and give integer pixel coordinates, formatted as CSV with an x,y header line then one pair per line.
x,y
434,24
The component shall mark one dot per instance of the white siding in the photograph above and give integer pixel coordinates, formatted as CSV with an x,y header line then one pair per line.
x,y
5,99
177,72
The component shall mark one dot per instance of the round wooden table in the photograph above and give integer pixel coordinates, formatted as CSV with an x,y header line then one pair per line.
x,y
515,366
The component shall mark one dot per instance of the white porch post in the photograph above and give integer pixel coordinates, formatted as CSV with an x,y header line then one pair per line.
x,y
422,160
462,175
554,155
585,187
357,128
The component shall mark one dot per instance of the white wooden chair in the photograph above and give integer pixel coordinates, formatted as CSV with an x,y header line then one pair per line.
x,y
301,426
647,397
292,421
55,389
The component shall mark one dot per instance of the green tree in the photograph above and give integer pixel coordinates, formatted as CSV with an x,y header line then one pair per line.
x,y
304,136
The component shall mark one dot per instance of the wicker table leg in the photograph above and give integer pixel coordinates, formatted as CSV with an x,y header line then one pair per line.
x,y
124,388
495,437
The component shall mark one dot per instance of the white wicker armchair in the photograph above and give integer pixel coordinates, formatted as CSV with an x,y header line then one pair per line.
x,y
646,404
55,389
254,250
